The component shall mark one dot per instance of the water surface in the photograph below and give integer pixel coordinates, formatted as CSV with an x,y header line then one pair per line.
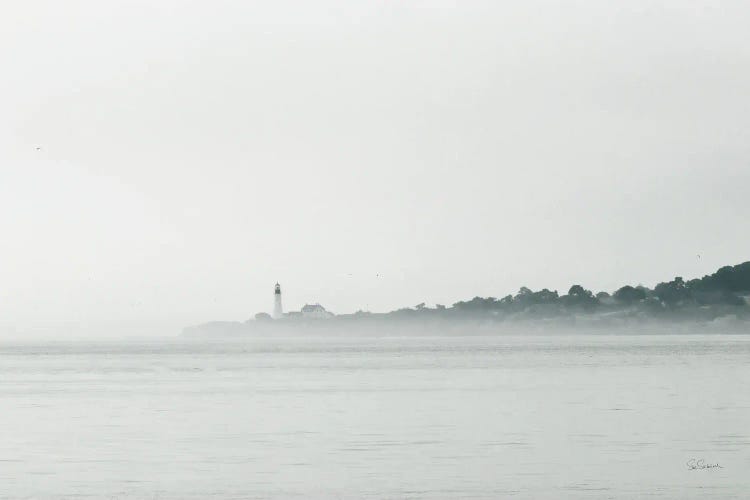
x,y
474,417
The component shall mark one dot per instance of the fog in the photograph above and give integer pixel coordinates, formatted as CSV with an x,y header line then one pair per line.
x,y
165,163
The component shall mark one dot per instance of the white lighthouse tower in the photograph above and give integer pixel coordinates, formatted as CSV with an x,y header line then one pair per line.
x,y
278,311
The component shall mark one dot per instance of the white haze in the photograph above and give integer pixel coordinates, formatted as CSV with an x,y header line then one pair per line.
x,y
194,153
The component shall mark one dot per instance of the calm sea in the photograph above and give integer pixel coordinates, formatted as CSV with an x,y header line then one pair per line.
x,y
478,417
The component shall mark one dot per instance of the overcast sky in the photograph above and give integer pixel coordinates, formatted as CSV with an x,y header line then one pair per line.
x,y
194,153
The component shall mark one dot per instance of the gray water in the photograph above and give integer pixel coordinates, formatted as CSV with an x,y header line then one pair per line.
x,y
481,417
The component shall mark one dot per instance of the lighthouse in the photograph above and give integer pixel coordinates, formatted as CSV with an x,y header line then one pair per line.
x,y
278,311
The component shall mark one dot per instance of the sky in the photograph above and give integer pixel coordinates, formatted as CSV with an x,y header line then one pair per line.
x,y
166,163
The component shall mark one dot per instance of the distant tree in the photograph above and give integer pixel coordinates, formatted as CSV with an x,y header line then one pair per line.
x,y
673,293
523,298
709,297
506,301
528,299
477,304
725,287
545,296
263,317
734,279
579,297
649,293
404,312
440,307
578,291
629,295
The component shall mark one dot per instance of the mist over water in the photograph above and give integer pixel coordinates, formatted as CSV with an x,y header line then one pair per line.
x,y
557,416
450,194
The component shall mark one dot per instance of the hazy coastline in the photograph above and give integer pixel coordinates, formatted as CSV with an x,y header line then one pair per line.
x,y
716,303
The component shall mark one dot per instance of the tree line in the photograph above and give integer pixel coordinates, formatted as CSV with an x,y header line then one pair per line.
x,y
727,287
